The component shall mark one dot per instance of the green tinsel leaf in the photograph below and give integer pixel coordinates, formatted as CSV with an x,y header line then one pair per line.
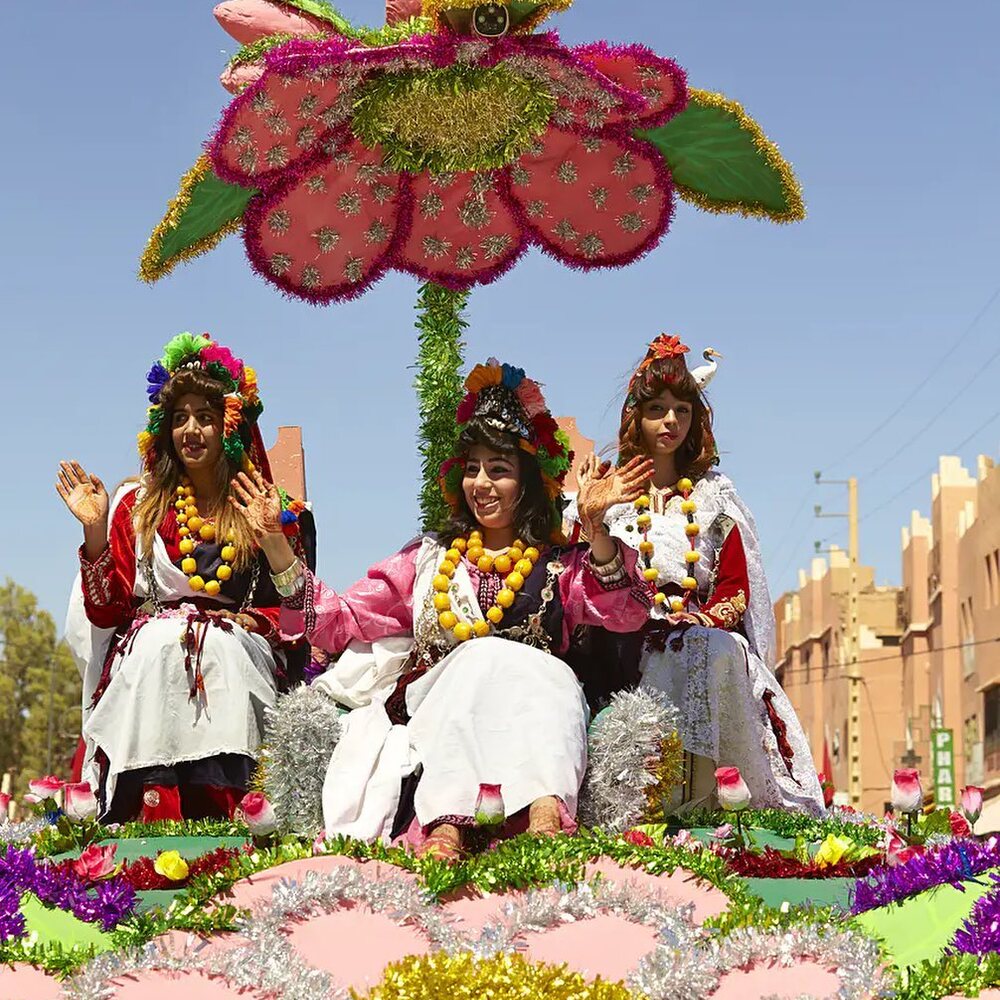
x,y
232,445
440,323
179,349
324,11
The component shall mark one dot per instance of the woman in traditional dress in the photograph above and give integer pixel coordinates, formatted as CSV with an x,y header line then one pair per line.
x,y
709,642
182,654
463,713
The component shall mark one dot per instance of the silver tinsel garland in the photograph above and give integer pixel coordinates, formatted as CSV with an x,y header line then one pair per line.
x,y
623,741
300,734
19,833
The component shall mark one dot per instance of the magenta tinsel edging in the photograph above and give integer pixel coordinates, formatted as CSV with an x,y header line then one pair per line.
x,y
980,933
107,902
952,864
254,219
665,184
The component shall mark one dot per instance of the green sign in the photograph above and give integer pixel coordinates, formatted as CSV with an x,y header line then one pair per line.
x,y
943,756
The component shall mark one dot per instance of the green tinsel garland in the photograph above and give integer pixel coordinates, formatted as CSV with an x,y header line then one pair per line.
x,y
787,824
439,390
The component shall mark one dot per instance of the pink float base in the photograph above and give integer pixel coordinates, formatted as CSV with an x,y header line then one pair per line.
x,y
25,982
766,980
608,946
170,985
354,944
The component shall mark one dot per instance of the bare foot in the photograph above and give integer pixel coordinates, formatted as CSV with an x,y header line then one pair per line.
x,y
444,843
543,817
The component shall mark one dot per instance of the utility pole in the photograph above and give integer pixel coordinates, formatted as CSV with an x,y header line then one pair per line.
x,y
853,669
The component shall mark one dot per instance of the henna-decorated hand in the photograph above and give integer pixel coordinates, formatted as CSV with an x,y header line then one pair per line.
x,y
259,503
606,487
83,494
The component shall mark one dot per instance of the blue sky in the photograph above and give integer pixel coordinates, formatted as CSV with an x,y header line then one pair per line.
x,y
887,110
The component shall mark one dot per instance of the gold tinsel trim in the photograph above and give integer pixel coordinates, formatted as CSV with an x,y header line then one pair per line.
x,y
433,9
152,266
505,977
669,772
796,210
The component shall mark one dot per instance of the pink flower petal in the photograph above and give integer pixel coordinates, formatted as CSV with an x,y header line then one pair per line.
x,y
659,83
463,231
329,230
274,125
248,20
238,78
593,201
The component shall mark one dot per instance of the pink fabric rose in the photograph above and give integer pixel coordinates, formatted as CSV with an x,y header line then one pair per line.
x,y
4,806
731,789
96,862
972,803
45,788
490,810
258,814
723,832
79,801
225,358
907,795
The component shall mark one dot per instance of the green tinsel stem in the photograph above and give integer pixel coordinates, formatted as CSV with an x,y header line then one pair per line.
x,y
440,322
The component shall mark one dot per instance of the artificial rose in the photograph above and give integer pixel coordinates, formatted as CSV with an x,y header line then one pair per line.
x,y
96,862
723,832
832,850
45,788
490,810
79,801
638,838
907,795
959,824
972,803
4,806
731,789
258,814
171,865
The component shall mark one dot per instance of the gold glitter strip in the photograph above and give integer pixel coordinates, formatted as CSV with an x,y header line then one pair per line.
x,y
790,187
152,265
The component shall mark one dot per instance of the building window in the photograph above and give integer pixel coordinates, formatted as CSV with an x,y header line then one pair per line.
x,y
991,719
990,599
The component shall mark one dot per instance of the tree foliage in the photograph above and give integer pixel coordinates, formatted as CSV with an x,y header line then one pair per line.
x,y
39,691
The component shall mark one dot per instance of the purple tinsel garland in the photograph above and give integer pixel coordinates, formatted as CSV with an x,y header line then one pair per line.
x,y
980,934
107,902
953,863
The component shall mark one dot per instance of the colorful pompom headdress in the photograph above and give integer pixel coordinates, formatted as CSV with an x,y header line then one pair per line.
x,y
241,440
503,397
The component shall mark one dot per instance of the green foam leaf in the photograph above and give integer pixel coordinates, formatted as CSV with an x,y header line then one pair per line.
x,y
205,210
722,161
61,926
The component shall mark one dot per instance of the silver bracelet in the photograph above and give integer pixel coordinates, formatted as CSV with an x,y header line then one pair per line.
x,y
288,581
612,568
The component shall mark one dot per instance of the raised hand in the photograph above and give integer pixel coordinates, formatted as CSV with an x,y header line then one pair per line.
x,y
590,467
606,487
259,502
83,494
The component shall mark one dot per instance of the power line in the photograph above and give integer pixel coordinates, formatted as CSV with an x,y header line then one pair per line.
x,y
930,375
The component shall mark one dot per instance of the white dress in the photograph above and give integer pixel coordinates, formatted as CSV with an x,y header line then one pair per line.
x,y
721,681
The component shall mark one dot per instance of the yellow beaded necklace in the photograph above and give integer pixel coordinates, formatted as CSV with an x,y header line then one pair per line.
x,y
515,565
643,522
193,529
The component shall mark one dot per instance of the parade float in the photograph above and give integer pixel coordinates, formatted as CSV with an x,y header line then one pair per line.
x,y
446,145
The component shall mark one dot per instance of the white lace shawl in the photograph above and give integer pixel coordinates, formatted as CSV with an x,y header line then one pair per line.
x,y
715,495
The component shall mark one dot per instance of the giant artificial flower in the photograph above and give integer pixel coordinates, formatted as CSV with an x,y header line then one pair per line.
x,y
432,149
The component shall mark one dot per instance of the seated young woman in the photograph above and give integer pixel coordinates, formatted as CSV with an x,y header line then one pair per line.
x,y
479,698
709,640
186,654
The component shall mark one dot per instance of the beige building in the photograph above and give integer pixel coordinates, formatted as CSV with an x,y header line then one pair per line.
x,y
813,655
930,650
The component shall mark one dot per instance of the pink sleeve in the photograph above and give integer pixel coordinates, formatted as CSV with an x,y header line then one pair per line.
x,y
621,606
379,606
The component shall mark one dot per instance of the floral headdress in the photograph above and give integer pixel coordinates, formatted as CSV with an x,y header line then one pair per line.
x,y
501,395
666,356
237,380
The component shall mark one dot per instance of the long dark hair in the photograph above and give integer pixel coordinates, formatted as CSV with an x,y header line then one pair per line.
x,y
534,515
697,452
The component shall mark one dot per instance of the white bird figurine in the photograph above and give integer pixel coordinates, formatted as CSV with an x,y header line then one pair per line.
x,y
704,374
